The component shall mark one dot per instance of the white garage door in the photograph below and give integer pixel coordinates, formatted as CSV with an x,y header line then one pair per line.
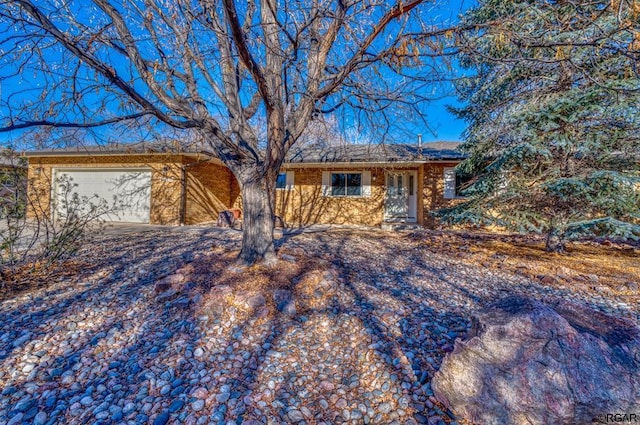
x,y
127,192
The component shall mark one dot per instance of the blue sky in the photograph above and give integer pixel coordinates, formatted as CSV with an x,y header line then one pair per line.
x,y
442,125
445,125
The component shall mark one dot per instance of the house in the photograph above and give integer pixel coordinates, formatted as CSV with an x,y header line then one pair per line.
x,y
350,184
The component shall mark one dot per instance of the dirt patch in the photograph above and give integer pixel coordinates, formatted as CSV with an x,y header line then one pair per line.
x,y
598,266
32,277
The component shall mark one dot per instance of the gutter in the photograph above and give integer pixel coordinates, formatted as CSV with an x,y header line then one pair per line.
x,y
354,164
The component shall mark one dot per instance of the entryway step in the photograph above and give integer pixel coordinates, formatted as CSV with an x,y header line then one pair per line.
x,y
400,226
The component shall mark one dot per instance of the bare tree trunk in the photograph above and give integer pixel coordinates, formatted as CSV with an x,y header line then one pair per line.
x,y
555,241
257,224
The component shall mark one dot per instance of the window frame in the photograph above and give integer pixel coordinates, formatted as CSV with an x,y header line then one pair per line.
x,y
456,182
288,180
284,175
346,184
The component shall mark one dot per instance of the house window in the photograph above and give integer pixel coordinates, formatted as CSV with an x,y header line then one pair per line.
x,y
285,180
454,184
346,184
281,181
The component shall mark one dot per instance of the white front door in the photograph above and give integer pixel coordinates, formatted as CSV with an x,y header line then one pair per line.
x,y
401,196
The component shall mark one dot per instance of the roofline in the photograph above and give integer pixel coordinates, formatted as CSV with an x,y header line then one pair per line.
x,y
50,154
287,164
353,164
197,155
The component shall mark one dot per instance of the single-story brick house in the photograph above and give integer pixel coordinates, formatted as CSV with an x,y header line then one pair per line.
x,y
352,184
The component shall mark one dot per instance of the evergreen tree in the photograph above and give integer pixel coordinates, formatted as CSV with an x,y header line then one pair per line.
x,y
552,104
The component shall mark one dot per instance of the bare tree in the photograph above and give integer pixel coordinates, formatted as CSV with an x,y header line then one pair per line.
x,y
247,77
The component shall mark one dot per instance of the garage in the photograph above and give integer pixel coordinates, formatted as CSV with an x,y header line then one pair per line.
x,y
127,192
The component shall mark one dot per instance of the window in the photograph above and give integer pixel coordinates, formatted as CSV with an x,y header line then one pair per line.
x,y
454,184
285,181
346,184
281,181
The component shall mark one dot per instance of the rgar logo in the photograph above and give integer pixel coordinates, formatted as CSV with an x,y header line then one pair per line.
x,y
610,418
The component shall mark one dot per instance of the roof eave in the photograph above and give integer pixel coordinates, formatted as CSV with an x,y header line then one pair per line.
x,y
49,154
347,164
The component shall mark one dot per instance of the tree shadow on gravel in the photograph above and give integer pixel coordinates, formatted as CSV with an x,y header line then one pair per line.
x,y
372,321
64,303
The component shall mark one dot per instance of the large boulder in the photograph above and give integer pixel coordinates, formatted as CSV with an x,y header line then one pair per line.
x,y
534,363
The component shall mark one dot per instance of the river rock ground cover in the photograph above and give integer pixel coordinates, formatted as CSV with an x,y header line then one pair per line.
x,y
350,326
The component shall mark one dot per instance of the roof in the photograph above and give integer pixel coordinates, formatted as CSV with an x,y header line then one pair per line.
x,y
433,151
11,162
115,149
346,153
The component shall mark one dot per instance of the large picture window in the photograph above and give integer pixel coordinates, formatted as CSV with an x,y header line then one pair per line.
x,y
346,184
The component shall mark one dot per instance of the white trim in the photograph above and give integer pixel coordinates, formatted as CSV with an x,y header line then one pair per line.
x,y
365,182
449,176
327,187
289,180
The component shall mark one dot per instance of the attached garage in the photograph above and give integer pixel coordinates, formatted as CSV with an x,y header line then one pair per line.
x,y
126,192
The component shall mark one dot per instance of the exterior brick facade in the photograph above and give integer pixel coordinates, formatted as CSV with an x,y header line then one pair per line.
x,y
210,188
186,190
166,187
433,191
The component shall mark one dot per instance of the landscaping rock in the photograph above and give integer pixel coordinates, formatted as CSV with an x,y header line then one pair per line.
x,y
162,418
372,335
529,362
284,301
248,300
167,282
218,300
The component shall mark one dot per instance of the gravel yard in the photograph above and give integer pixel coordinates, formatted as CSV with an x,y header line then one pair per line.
x,y
161,327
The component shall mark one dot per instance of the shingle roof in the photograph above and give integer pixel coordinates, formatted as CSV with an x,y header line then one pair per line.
x,y
342,153
378,153
116,149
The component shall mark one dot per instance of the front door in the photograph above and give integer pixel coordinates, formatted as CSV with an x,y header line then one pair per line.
x,y
401,196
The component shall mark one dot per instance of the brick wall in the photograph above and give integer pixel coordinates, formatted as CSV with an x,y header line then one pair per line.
x,y
210,188
433,191
305,204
